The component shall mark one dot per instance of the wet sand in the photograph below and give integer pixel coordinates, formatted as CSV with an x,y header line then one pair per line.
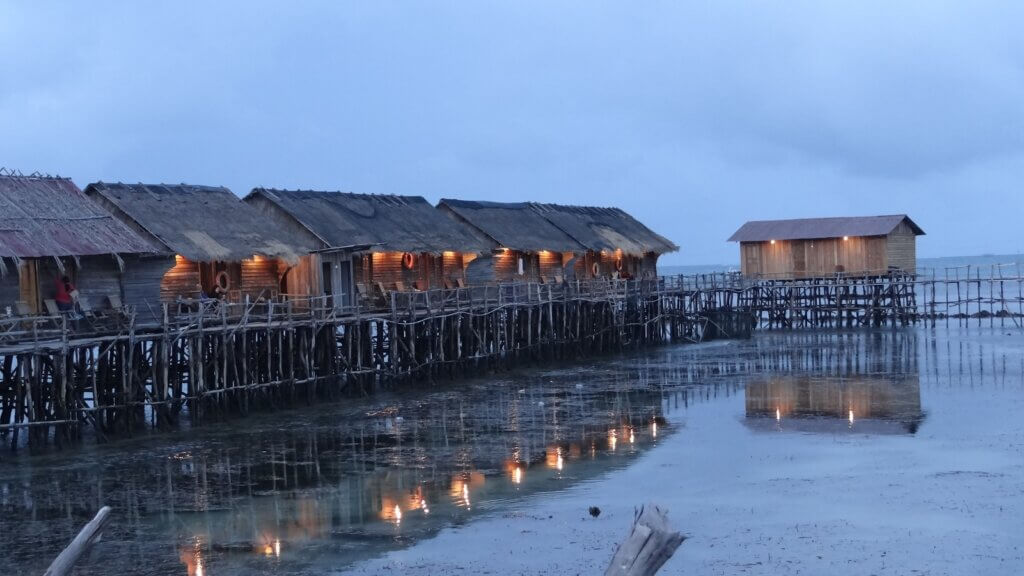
x,y
862,452
948,499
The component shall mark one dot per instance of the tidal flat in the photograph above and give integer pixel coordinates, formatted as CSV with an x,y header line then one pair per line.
x,y
854,452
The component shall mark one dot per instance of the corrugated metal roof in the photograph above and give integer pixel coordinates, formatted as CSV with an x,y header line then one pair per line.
x,y
387,223
42,216
814,228
201,223
605,229
513,225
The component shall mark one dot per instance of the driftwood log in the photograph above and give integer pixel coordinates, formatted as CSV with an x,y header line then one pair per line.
x,y
63,564
649,545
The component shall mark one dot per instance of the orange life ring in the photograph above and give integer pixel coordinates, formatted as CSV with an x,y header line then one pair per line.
x,y
618,264
595,269
408,260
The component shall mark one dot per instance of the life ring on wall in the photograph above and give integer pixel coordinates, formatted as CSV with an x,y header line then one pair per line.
x,y
408,260
222,280
618,264
595,269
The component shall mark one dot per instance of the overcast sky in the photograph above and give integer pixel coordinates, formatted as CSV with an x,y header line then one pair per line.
x,y
692,116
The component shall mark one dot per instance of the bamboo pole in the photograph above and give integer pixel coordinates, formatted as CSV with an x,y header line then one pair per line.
x,y
92,531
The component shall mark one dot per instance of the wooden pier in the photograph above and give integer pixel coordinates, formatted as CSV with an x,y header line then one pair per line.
x,y
116,377
59,378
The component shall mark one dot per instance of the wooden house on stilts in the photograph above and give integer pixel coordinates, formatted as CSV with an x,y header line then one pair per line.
x,y
816,247
540,242
222,247
49,229
368,245
617,244
525,246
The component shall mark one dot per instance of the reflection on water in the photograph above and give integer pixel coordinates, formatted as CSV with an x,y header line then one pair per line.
x,y
317,495
314,490
804,403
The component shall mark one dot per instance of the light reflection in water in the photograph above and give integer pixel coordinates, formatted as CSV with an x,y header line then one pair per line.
x,y
887,405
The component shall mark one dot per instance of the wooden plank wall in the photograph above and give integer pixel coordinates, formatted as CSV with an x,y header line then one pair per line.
x,y
550,265
506,267
142,285
387,268
259,277
901,248
181,280
303,279
29,285
809,258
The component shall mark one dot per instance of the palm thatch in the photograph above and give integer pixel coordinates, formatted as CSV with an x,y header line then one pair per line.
x,y
512,225
383,223
607,229
42,216
201,223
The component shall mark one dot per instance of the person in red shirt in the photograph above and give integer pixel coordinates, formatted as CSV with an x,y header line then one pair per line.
x,y
63,294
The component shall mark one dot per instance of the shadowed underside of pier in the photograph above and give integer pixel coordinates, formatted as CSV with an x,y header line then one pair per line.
x,y
61,379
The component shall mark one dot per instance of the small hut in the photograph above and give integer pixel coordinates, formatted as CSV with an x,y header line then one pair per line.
x,y
814,247
371,243
221,245
525,246
617,244
50,229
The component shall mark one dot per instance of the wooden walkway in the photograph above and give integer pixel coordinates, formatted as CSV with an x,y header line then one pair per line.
x,y
59,379
119,378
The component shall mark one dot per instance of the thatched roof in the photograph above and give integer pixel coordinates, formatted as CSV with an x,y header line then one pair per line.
x,y
605,229
815,228
385,223
201,223
512,225
42,216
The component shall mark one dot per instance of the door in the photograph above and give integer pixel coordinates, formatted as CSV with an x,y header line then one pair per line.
x,y
751,260
327,281
344,270
799,257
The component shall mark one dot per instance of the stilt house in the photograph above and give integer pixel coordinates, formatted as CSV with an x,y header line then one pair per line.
x,y
525,246
369,245
221,245
50,229
617,244
814,247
